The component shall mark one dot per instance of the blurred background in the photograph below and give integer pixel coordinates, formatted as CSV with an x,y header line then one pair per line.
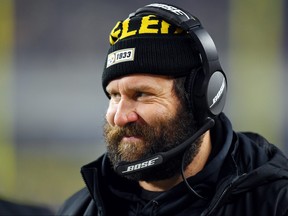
x,y
52,106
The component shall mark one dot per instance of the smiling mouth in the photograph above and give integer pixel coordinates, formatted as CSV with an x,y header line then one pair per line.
x,y
131,138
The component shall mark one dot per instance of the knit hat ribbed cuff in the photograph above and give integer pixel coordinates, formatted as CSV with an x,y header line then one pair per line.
x,y
170,55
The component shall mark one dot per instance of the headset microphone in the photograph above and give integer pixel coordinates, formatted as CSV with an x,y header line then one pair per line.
x,y
206,87
125,168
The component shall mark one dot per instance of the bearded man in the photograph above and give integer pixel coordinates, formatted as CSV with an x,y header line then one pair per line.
x,y
170,148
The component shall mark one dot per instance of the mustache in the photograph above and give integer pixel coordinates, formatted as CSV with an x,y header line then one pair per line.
x,y
131,129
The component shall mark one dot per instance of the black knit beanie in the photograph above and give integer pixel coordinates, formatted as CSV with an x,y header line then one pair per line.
x,y
148,45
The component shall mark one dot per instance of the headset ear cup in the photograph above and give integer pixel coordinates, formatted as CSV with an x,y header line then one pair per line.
x,y
207,94
216,93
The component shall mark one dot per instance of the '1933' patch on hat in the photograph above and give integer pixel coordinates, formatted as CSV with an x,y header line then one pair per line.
x,y
122,55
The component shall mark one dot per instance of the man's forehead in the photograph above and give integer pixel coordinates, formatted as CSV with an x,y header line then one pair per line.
x,y
139,81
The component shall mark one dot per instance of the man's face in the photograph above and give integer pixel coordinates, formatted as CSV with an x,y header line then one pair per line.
x,y
145,117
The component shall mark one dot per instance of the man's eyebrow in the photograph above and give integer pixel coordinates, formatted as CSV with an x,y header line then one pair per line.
x,y
108,89
139,87
142,87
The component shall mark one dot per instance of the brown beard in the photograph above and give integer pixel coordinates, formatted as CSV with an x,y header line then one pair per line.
x,y
166,135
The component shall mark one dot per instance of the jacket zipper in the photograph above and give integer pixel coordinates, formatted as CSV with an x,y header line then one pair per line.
x,y
154,207
212,208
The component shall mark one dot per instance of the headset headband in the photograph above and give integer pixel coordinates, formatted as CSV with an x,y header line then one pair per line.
x,y
191,25
207,94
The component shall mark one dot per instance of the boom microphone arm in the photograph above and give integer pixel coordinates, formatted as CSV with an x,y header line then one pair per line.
x,y
125,168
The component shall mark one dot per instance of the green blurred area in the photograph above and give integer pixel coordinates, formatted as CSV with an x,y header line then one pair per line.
x,y
7,152
46,179
30,175
256,88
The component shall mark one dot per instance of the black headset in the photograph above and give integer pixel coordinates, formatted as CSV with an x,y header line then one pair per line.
x,y
207,88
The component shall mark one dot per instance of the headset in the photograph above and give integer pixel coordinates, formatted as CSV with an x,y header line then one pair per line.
x,y
207,87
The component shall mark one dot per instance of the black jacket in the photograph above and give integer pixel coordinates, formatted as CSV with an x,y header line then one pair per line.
x,y
244,176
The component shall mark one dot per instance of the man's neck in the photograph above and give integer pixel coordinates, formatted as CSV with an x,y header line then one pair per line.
x,y
192,169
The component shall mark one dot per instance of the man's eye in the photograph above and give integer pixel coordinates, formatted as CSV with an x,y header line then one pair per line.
x,y
115,96
142,94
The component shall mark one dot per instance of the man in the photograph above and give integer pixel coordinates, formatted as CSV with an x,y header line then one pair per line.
x,y
170,149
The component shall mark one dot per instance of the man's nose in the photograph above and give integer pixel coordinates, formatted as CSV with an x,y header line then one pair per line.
x,y
125,113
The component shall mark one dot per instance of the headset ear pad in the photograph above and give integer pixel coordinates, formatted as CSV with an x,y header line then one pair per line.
x,y
207,94
216,93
